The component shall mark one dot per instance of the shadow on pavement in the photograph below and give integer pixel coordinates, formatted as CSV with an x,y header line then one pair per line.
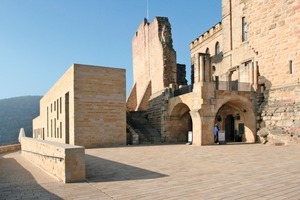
x,y
102,170
17,183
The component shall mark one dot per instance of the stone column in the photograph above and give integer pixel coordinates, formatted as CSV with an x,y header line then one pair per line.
x,y
197,132
201,66
206,69
196,68
207,130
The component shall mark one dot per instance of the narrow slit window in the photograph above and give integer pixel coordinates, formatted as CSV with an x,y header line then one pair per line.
x,y
244,29
218,48
291,65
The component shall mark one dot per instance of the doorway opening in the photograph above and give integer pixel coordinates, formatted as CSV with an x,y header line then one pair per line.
x,y
229,129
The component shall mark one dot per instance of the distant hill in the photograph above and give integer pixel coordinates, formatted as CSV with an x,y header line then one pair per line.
x,y
16,113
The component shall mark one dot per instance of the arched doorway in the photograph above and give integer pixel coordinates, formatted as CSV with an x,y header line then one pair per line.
x,y
179,123
237,120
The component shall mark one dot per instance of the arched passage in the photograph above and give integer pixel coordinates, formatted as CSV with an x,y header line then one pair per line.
x,y
178,124
237,119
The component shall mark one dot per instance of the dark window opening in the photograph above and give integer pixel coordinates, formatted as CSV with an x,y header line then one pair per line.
x,y
218,48
291,67
244,30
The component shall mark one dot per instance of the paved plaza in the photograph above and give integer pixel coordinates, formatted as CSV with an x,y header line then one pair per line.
x,y
245,171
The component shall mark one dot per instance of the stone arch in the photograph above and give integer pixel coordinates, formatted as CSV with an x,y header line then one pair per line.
x,y
178,123
236,117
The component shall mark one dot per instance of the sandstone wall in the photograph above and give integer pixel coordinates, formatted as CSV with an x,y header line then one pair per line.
x,y
274,34
86,107
50,124
99,106
275,37
131,102
154,59
66,162
9,148
155,112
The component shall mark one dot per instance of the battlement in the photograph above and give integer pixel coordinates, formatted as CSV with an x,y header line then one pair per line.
x,y
212,31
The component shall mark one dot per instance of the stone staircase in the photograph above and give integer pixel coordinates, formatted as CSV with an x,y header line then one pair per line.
x,y
137,121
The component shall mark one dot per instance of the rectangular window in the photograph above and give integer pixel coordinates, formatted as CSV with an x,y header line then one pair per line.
x,y
60,105
54,128
47,121
244,30
60,126
57,110
51,129
291,67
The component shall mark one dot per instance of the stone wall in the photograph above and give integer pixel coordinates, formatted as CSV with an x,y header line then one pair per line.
x,y
9,148
99,106
158,111
86,107
154,59
280,115
131,103
66,162
274,35
52,119
155,112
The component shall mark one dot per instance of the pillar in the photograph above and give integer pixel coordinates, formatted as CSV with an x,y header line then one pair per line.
x,y
202,68
197,134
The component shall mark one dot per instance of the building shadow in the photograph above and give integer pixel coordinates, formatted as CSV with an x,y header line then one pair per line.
x,y
102,170
18,183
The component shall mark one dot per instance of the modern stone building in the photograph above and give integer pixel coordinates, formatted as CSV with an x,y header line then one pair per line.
x,y
244,78
85,107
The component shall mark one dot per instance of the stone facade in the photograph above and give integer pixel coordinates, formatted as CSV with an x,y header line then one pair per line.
x,y
154,62
253,49
9,148
66,162
85,107
244,78
274,35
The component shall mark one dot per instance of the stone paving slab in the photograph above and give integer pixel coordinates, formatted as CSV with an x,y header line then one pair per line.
x,y
248,171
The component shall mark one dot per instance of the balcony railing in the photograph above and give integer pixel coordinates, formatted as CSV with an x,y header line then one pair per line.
x,y
183,90
232,86
219,85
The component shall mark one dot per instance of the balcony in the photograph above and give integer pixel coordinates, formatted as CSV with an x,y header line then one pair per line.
x,y
183,90
219,85
233,86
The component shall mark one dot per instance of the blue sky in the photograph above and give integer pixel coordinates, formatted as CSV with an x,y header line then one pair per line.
x,y
40,39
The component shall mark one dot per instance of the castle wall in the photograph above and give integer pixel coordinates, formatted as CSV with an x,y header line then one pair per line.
x,y
154,59
274,35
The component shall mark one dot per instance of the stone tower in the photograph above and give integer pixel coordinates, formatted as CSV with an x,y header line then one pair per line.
x,y
154,62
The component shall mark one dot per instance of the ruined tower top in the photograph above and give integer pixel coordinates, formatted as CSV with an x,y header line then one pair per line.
x,y
154,61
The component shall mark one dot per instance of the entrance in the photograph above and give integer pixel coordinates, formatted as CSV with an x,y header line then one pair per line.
x,y
229,128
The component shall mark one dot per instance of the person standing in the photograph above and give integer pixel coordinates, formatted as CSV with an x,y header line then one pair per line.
x,y
216,133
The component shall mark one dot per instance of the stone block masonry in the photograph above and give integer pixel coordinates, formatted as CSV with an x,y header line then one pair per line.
x,y
154,61
9,148
85,107
66,162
